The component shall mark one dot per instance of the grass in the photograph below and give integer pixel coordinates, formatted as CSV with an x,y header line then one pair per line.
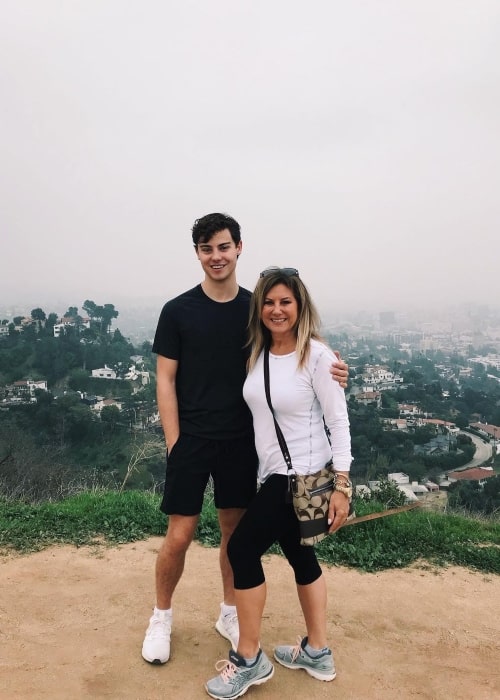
x,y
392,542
80,520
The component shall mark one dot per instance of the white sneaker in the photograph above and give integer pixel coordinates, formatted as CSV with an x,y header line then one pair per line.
x,y
227,626
156,645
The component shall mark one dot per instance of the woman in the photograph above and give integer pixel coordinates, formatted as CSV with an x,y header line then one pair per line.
x,y
284,319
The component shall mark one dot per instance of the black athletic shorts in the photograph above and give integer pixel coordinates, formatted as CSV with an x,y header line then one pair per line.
x,y
232,464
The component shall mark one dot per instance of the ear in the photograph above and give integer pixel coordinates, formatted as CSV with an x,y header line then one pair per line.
x,y
239,248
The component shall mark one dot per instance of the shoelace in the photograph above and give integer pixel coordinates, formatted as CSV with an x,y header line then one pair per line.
x,y
296,650
158,628
227,670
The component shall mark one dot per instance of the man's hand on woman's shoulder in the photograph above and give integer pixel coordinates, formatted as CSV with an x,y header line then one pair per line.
x,y
340,371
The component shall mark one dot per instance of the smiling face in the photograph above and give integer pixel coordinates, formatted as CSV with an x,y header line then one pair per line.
x,y
218,256
280,312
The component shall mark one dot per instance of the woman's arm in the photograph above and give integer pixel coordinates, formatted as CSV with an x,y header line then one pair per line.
x,y
334,406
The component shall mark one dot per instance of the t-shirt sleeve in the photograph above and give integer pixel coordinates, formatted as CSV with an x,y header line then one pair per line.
x,y
167,338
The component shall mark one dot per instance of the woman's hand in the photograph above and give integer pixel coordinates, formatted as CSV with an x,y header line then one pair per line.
x,y
338,511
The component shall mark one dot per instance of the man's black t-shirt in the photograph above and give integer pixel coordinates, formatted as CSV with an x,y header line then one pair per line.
x,y
208,338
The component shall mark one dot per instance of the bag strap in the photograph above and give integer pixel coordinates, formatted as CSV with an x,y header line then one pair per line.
x,y
281,438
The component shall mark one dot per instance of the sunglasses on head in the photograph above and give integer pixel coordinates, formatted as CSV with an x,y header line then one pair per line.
x,y
287,271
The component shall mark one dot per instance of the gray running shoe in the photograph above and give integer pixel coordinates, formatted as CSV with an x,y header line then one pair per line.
x,y
321,667
236,677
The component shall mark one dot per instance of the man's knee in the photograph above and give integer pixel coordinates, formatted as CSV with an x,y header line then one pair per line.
x,y
228,520
180,533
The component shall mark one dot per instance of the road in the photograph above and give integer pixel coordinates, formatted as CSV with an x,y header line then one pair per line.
x,y
482,455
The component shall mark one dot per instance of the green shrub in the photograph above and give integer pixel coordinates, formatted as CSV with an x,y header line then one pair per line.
x,y
389,542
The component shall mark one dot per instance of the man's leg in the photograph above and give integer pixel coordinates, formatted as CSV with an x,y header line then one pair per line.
x,y
172,556
234,474
169,567
227,623
228,520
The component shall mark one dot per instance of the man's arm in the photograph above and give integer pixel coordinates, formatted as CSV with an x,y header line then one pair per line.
x,y
166,395
340,371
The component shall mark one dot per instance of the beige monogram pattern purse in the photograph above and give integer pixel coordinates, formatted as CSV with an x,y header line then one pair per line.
x,y
311,500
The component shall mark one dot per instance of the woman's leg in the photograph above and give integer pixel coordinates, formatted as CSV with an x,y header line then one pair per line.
x,y
259,527
312,599
311,584
250,607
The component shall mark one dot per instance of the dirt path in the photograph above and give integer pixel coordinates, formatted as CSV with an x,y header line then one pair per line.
x,y
72,622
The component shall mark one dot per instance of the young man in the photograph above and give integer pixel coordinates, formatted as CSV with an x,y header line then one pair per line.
x,y
201,366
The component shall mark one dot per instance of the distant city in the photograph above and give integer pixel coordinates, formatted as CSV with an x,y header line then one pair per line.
x,y
464,329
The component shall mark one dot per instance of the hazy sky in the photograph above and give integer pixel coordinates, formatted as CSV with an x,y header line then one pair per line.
x,y
358,141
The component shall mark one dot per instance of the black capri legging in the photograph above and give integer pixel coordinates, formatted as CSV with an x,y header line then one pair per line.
x,y
270,519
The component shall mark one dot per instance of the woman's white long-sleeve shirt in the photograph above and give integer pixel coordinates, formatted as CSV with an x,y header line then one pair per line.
x,y
300,398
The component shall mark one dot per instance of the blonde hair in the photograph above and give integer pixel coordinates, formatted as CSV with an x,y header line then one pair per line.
x,y
308,321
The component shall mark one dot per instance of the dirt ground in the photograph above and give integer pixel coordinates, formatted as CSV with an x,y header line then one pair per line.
x,y
72,622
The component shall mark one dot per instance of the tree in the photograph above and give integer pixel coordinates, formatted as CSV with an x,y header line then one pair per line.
x,y
491,494
101,314
379,468
424,434
38,314
466,494
74,421
461,421
107,315
118,337
78,380
71,312
51,322
91,308
111,416
89,335
152,448
27,472
411,376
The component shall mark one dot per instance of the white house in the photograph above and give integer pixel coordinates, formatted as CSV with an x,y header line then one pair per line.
x,y
408,409
25,388
104,373
102,403
399,477
135,374
69,322
379,377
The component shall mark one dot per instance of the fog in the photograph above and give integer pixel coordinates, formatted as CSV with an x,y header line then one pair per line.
x,y
358,142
